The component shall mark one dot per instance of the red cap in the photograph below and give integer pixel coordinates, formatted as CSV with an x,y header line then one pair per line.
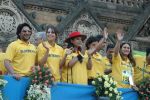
x,y
75,34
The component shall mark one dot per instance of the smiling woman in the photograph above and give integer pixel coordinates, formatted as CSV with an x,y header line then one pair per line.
x,y
49,53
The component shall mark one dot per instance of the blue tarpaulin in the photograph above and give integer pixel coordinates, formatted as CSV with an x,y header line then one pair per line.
x,y
16,90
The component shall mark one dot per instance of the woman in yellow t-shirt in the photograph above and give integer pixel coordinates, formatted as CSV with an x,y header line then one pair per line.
x,y
78,61
122,63
50,54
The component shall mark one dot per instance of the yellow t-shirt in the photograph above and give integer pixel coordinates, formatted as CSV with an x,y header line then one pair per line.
x,y
66,73
141,70
108,65
79,70
22,56
2,67
54,57
121,71
97,66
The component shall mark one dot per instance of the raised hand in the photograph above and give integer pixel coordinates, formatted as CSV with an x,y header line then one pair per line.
x,y
69,51
120,34
90,52
105,33
45,46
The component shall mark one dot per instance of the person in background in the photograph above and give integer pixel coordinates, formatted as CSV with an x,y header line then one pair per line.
x,y
108,58
21,54
123,62
39,37
142,69
50,54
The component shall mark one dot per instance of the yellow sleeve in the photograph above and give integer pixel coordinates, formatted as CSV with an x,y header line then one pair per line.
x,y
40,51
68,59
11,52
116,59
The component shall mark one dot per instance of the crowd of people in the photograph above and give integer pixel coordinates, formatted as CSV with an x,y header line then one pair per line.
x,y
78,61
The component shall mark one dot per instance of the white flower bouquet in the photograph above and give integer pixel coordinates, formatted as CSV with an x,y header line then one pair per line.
x,y
105,86
38,92
2,84
41,81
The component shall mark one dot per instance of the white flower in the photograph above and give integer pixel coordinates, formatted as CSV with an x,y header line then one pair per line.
x,y
106,92
38,92
118,97
100,79
111,81
3,82
110,94
93,82
115,82
97,92
110,88
115,90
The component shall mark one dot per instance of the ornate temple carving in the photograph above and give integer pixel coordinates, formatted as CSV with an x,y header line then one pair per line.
x,y
84,24
145,31
10,18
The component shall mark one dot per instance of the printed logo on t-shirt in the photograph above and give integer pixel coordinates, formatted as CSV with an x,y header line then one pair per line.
x,y
125,76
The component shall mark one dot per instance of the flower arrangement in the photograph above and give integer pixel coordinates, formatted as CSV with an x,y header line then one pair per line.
x,y
41,81
2,84
144,89
106,87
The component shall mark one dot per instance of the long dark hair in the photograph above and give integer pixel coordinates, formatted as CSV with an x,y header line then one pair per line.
x,y
54,30
130,55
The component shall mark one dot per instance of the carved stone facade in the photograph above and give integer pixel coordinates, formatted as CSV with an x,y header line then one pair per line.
x,y
10,18
86,16
142,40
84,24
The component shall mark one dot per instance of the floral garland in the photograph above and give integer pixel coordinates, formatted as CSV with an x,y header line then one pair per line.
x,y
2,84
106,87
41,81
144,89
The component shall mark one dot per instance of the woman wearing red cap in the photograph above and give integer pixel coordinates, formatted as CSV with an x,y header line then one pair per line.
x,y
77,62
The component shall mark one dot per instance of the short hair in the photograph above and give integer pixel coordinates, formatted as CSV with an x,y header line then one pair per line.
x,y
90,40
99,37
109,46
20,27
147,51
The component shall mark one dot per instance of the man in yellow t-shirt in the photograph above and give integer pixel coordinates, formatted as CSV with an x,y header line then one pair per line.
x,y
97,62
20,54
108,59
142,69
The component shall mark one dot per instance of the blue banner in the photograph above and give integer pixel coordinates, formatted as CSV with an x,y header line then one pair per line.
x,y
16,90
